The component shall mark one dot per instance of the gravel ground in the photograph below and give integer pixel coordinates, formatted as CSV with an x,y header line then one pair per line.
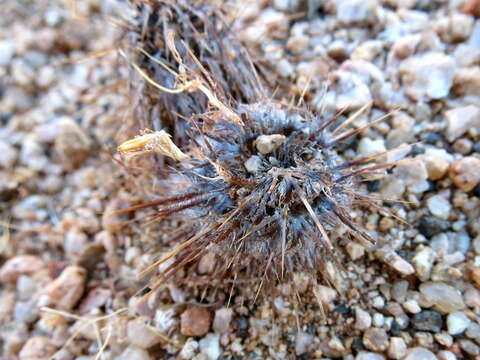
x,y
68,264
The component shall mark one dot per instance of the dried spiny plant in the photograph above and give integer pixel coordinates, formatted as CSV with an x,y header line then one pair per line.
x,y
203,48
263,187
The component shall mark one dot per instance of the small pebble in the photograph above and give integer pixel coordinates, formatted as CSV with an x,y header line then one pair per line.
x,y
363,320
378,320
472,297
375,339
72,144
444,338
26,287
394,309
20,265
134,353
430,226
467,84
402,130
66,290
373,186
338,50
475,274
347,92
445,298
424,339
465,173
413,173
428,76
369,356
419,353
336,345
268,143
386,224
368,147
63,354
417,150
74,242
37,348
439,206
324,293
437,162
402,321
165,319
96,297
303,341
401,265
446,355
139,334
412,306
462,146
195,321
253,163
457,322
462,119
431,138
469,347
423,263
454,28
473,331
356,251
298,44
397,348
285,69
391,258
378,302
189,349
368,50
9,155
399,290
461,242
210,346
206,264
222,320
31,208
428,321
6,51
357,11
25,312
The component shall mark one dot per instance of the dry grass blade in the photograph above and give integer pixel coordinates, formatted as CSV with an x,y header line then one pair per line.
x,y
174,252
353,117
93,322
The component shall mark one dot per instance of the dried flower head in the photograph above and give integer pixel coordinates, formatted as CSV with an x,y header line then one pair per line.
x,y
151,142
263,187
264,196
